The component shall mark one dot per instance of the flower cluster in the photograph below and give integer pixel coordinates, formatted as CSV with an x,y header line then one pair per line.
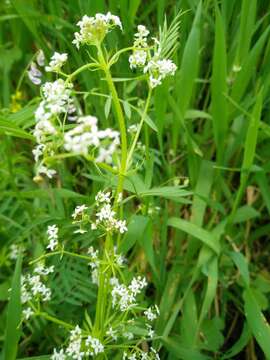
x,y
154,66
142,355
79,346
15,249
105,216
86,134
34,289
139,56
94,264
152,313
56,101
52,233
159,70
124,297
80,217
57,61
94,29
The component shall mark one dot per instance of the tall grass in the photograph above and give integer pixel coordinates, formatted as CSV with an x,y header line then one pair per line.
x,y
206,255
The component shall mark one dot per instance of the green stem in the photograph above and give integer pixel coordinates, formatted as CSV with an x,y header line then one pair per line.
x,y
104,274
132,148
243,181
55,320
120,119
82,68
60,252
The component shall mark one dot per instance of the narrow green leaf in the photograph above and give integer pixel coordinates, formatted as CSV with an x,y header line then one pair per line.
x,y
264,187
219,88
136,228
240,344
190,63
10,129
247,20
13,332
245,75
170,192
257,322
252,134
212,281
241,263
181,351
203,235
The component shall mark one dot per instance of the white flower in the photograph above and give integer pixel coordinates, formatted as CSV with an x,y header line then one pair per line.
x,y
75,341
93,226
105,217
57,96
120,259
52,244
144,356
42,270
82,136
123,296
133,128
112,333
58,355
92,253
155,353
79,210
32,286
137,59
57,61
27,313
151,332
94,29
102,197
42,129
86,134
52,233
94,346
140,52
105,213
14,251
142,31
128,335
38,151
121,226
46,171
158,70
137,284
152,313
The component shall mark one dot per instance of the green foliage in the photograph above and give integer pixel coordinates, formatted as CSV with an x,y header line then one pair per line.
x,y
197,200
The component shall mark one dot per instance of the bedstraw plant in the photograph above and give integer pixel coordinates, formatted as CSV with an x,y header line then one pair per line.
x,y
122,324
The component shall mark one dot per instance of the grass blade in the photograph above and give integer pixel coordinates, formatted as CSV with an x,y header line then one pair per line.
x,y
219,88
12,335
257,322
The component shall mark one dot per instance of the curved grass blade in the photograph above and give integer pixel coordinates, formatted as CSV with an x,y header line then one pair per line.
x,y
196,231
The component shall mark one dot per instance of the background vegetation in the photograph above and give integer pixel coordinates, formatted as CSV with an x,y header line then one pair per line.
x,y
207,256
